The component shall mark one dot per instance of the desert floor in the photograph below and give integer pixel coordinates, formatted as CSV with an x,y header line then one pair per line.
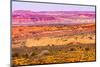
x,y
53,44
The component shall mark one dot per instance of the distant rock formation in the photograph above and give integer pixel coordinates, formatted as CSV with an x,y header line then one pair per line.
x,y
23,17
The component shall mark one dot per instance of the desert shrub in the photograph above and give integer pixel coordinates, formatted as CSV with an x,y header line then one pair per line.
x,y
48,45
25,55
20,29
80,47
33,54
35,48
65,40
76,38
87,49
15,55
52,44
37,38
72,49
59,50
32,32
90,37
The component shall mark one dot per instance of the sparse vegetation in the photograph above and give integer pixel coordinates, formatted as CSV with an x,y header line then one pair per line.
x,y
55,54
53,44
